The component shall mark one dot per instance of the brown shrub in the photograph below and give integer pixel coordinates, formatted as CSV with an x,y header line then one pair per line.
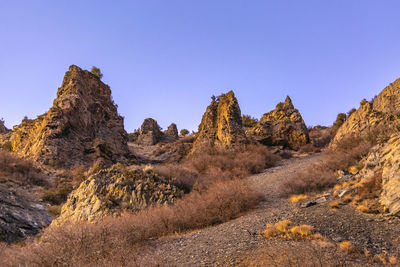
x,y
20,170
117,241
314,179
309,148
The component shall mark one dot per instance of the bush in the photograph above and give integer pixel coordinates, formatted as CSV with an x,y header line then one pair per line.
x,y
184,132
314,179
117,241
249,121
20,170
96,71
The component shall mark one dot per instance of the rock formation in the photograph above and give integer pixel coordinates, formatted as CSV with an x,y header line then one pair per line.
x,y
117,189
282,126
20,216
382,112
385,158
221,123
150,133
171,134
81,127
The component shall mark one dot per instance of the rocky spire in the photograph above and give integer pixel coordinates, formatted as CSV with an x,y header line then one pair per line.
x,y
82,126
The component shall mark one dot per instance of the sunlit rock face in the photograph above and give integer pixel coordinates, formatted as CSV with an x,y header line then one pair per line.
x,y
385,159
221,123
111,191
150,133
82,126
382,113
282,126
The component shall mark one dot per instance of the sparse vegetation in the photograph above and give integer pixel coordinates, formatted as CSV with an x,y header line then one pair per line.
x,y
96,71
184,132
249,121
285,229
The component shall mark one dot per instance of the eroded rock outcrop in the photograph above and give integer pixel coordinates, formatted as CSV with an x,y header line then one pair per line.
x,y
385,159
221,123
81,127
282,126
114,190
171,134
383,112
150,133
20,216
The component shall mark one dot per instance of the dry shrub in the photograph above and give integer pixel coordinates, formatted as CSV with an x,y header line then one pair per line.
x,y
178,174
309,149
286,230
20,170
313,179
297,198
286,154
347,247
118,241
370,187
320,136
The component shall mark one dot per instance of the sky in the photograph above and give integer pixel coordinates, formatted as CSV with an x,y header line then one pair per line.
x,y
165,58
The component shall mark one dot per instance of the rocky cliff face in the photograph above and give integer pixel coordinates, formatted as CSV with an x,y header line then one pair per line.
x,y
20,215
385,158
114,190
82,126
221,123
382,112
282,126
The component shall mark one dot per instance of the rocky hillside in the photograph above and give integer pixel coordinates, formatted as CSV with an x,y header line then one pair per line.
x,y
380,113
81,127
3,128
114,190
221,123
282,126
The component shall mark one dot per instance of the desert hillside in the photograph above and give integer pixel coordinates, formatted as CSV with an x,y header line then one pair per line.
x,y
78,190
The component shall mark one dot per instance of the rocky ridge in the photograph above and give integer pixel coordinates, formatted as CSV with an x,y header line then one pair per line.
x,y
282,126
82,126
111,191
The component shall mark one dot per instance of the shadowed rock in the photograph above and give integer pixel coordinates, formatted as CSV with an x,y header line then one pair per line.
x,y
150,133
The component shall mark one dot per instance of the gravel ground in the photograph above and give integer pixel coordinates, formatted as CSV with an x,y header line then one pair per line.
x,y
220,244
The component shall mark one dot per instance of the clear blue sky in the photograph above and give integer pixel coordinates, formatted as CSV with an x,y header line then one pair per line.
x,y
164,59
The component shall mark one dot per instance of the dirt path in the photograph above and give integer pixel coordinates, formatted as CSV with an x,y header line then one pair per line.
x,y
220,244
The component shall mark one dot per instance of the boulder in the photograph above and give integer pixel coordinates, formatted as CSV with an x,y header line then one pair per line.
x,y
282,126
221,123
20,216
112,191
82,126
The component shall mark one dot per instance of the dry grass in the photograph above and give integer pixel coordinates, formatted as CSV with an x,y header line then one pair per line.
x,y
211,164
286,230
314,179
21,171
347,247
297,198
117,241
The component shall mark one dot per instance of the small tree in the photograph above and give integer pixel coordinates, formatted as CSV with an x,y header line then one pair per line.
x,y
96,71
184,132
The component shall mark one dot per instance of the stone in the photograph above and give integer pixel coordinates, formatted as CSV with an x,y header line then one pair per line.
x,y
380,114
150,133
385,158
171,134
83,125
283,126
221,124
109,192
3,128
20,216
